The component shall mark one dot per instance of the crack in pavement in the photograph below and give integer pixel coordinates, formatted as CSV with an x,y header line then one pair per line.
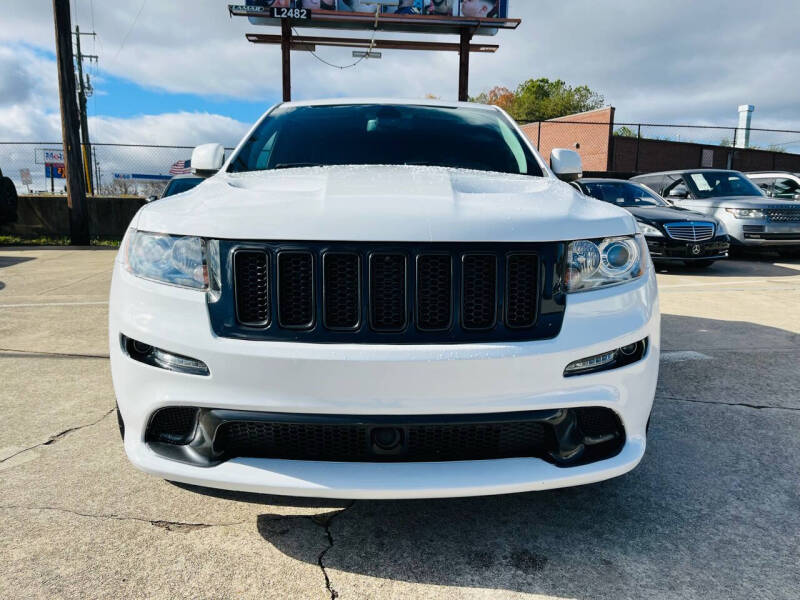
x,y
58,436
322,520
744,404
325,521
53,354
178,526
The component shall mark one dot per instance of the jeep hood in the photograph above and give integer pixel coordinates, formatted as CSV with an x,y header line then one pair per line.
x,y
384,203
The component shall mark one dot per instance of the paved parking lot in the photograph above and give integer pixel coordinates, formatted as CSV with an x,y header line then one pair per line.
x,y
713,511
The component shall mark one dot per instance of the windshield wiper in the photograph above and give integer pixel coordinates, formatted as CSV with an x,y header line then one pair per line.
x,y
296,165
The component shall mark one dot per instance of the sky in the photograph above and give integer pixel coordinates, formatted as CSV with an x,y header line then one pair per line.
x,y
181,72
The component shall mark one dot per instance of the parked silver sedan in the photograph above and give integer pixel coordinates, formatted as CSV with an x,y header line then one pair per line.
x,y
752,219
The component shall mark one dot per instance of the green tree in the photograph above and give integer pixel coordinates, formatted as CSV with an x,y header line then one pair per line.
x,y
625,132
542,99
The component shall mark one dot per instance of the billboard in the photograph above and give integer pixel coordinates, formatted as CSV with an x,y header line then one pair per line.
x,y
480,9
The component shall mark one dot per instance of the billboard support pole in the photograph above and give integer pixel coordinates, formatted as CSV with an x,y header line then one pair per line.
x,y
463,65
286,59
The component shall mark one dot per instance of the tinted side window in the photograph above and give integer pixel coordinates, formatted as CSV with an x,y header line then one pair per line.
x,y
675,184
651,182
785,188
765,184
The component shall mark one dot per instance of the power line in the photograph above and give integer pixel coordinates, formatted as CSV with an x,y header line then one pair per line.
x,y
130,29
366,54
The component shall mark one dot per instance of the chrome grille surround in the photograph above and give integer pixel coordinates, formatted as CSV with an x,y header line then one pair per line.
x,y
690,231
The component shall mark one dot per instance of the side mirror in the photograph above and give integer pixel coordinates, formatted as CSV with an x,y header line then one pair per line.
x,y
566,164
151,198
207,159
678,193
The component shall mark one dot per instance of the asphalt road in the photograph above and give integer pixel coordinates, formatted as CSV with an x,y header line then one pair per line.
x,y
713,511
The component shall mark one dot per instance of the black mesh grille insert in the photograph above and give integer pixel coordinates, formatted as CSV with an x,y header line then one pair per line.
x,y
297,441
479,299
434,292
478,441
388,292
251,270
522,290
353,443
341,290
172,425
296,289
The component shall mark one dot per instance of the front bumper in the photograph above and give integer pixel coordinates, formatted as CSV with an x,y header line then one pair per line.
x,y
374,379
666,249
759,232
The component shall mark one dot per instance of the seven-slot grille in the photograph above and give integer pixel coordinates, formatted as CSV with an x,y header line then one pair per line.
x,y
783,215
388,292
690,231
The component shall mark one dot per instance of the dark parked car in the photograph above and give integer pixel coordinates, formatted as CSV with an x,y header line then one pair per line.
x,y
672,234
752,219
179,184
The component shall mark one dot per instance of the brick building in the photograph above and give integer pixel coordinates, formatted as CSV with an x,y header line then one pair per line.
x,y
591,134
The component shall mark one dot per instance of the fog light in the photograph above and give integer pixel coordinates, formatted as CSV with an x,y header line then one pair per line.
x,y
156,357
613,359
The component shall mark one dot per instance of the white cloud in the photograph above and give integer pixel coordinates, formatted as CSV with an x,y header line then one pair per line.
x,y
682,61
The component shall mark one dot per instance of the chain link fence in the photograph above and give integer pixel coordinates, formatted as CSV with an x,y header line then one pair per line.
x,y
117,170
631,148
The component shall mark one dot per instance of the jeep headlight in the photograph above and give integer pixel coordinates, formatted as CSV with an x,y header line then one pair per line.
x,y
611,261
746,213
173,259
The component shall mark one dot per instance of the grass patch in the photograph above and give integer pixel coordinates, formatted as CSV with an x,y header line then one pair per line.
x,y
49,240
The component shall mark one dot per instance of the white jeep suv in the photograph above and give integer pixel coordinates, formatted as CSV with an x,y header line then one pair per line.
x,y
384,299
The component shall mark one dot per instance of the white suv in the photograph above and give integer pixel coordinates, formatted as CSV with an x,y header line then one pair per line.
x,y
384,299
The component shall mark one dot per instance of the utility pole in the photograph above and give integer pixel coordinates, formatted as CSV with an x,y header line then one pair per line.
x,y
84,90
76,184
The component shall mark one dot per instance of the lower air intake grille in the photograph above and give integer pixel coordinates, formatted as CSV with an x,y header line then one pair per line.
x,y
173,425
564,437
352,443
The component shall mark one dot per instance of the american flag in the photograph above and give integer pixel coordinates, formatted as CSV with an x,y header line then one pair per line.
x,y
181,167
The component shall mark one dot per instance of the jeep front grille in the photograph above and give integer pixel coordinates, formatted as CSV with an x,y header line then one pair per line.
x,y
390,293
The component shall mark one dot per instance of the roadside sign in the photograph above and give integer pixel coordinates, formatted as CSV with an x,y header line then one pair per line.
x,y
25,175
48,155
53,156
54,170
141,177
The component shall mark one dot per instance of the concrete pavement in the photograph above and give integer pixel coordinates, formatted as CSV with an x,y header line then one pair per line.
x,y
712,511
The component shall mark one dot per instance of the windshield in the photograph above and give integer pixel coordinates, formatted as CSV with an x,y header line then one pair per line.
x,y
717,184
623,194
176,186
380,134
